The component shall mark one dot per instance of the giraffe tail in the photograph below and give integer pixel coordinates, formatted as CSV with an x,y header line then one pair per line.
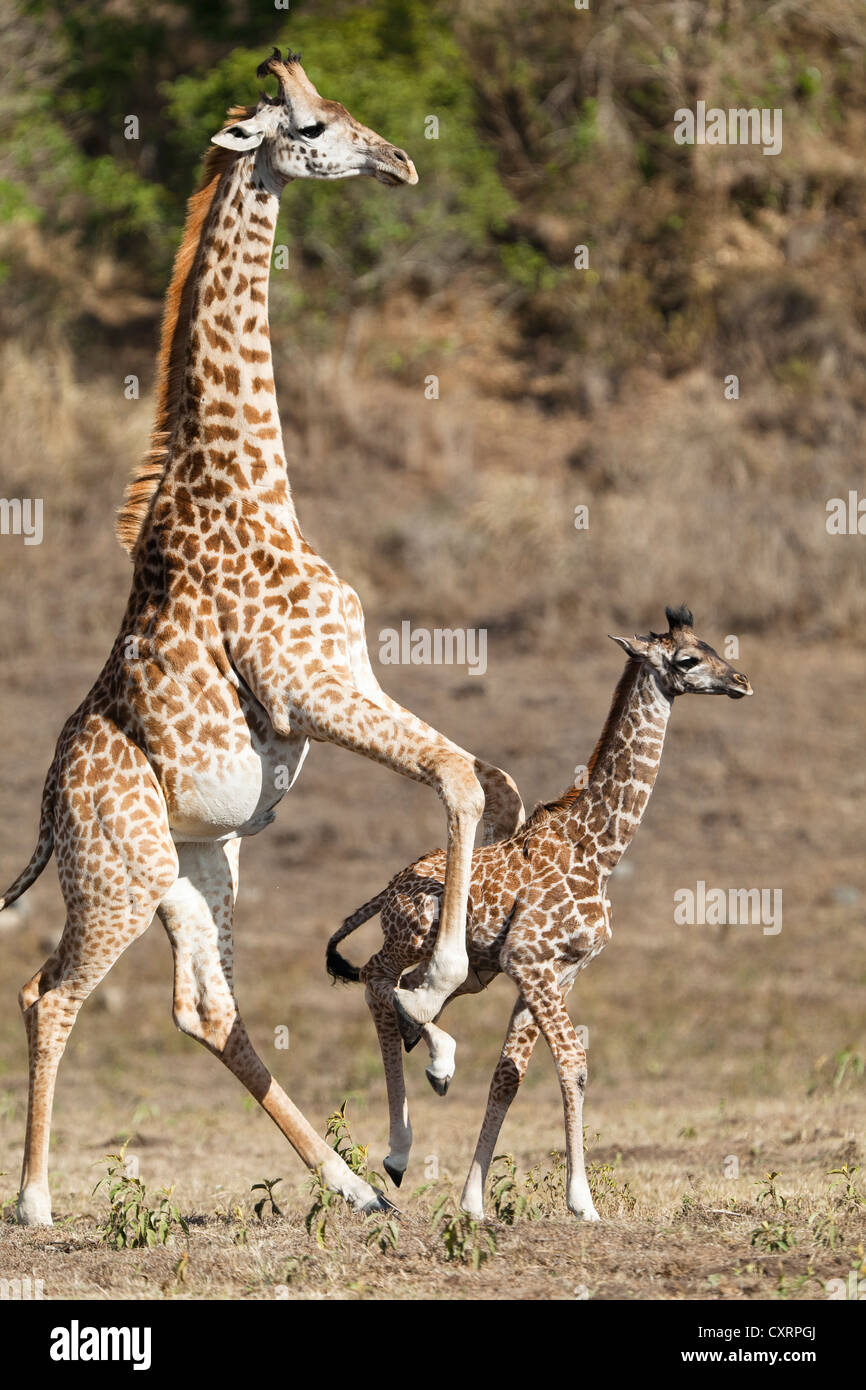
x,y
44,845
338,967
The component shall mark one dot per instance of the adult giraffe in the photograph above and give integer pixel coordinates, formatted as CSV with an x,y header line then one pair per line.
x,y
238,645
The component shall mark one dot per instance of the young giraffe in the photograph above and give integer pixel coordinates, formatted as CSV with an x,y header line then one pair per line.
x,y
538,906
238,646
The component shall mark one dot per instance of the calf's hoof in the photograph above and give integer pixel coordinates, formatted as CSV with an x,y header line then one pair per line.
x,y
395,1174
440,1084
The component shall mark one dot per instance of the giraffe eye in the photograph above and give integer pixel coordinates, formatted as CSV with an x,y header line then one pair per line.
x,y
686,662
311,132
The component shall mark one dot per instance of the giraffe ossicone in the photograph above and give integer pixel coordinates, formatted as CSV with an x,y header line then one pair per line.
x,y
538,907
238,647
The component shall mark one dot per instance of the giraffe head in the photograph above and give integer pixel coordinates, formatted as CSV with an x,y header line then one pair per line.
x,y
300,135
682,663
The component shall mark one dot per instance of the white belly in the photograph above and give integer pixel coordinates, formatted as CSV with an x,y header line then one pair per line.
x,y
223,804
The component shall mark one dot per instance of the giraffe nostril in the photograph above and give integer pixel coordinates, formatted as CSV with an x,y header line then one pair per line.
x,y
401,155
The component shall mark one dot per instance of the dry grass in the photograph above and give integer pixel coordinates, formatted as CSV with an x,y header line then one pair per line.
x,y
673,1225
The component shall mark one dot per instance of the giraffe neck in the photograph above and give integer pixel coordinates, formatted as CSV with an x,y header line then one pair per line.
x,y
623,768
226,445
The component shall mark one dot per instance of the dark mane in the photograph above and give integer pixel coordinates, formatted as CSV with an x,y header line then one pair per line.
x,y
679,617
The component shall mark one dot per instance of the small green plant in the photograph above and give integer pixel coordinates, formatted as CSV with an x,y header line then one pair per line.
x,y
826,1230
845,1200
267,1186
847,1065
770,1193
615,1198
509,1202
324,1200
134,1222
318,1217
789,1285
466,1240
773,1236
845,1194
383,1232
547,1191
353,1155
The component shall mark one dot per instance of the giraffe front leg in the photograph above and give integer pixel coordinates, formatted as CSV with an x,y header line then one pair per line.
x,y
539,987
520,1039
449,963
440,1045
442,1049
335,712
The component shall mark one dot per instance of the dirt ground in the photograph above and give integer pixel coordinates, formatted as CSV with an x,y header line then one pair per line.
x,y
717,1055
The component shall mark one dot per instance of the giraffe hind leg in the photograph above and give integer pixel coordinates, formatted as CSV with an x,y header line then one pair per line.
x,y
520,1039
379,994
110,898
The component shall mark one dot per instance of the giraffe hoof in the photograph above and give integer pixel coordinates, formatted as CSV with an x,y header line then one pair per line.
x,y
585,1213
381,1204
34,1208
395,1174
410,1031
440,1084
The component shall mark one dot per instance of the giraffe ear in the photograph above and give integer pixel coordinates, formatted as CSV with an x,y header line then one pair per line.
x,y
245,135
636,649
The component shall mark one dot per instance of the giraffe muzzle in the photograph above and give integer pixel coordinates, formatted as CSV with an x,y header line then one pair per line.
x,y
740,689
393,167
